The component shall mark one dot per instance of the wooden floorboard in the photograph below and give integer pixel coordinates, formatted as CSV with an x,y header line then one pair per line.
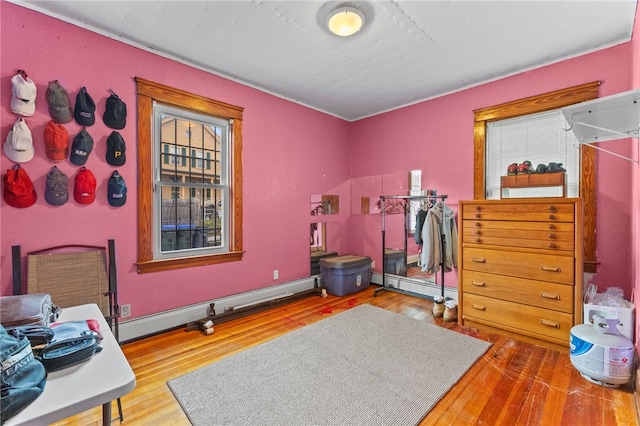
x,y
514,383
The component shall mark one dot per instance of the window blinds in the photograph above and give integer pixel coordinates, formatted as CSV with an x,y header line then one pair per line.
x,y
539,138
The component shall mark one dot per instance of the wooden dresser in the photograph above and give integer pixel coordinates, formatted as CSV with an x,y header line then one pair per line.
x,y
521,266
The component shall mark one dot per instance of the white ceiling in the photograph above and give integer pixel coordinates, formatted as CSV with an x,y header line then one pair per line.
x,y
409,51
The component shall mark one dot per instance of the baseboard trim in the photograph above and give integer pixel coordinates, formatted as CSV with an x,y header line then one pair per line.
x,y
152,324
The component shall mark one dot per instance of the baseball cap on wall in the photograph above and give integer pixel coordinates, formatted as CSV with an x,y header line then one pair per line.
x,y
115,114
23,94
84,190
117,195
56,141
56,191
18,188
18,146
59,103
85,109
81,148
116,149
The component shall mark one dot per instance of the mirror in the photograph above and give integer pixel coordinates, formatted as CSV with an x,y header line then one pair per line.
x,y
322,234
322,205
365,195
402,251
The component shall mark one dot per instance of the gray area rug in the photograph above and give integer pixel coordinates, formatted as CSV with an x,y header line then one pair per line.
x,y
365,366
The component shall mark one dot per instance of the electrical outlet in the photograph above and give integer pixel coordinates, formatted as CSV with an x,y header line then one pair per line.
x,y
125,311
276,274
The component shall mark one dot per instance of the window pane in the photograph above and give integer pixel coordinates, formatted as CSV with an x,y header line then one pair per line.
x,y
190,148
191,182
538,138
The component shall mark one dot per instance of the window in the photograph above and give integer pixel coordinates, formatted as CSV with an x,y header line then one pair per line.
x,y
539,138
189,186
184,189
535,104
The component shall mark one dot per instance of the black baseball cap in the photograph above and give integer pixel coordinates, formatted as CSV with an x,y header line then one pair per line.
x,y
81,148
85,109
116,149
115,114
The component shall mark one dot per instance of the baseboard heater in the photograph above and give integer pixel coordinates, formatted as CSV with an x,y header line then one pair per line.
x,y
140,327
234,312
414,287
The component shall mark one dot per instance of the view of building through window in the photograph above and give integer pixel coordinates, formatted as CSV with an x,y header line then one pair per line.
x,y
191,183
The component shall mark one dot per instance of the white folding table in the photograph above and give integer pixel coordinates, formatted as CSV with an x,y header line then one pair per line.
x,y
105,377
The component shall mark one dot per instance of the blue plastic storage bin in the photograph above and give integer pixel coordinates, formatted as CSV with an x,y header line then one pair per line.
x,y
342,275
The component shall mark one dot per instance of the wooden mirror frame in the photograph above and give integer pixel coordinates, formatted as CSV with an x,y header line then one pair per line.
x,y
531,105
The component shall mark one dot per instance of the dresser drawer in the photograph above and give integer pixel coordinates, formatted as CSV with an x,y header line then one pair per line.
x,y
520,211
558,297
514,316
519,236
527,226
541,267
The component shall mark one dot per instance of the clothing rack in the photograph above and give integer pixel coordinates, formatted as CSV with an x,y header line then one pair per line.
x,y
390,202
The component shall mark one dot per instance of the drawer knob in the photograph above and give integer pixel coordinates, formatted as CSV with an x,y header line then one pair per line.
x,y
551,245
478,260
553,296
552,217
478,232
551,268
478,307
479,283
552,209
478,216
552,236
478,224
478,240
478,208
551,226
550,323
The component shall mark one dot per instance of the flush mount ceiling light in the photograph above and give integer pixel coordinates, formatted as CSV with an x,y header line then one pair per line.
x,y
345,21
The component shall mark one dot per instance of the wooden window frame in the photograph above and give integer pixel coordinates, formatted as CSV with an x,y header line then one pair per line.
x,y
531,105
147,93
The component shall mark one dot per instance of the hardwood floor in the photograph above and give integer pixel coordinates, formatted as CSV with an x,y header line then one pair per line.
x,y
514,383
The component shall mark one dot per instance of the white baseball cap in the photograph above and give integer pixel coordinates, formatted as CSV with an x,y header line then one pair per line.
x,y
18,146
23,95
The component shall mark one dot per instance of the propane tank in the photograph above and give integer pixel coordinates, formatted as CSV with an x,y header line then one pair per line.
x,y
600,353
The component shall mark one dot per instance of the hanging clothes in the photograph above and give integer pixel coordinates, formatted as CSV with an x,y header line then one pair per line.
x,y
420,218
433,228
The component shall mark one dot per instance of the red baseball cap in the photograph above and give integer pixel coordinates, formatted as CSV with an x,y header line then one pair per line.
x,y
18,188
84,191
56,141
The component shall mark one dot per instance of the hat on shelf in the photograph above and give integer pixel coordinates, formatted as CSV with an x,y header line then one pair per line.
x,y
84,190
85,110
18,146
23,94
18,188
116,149
117,195
115,114
81,148
56,191
59,103
56,141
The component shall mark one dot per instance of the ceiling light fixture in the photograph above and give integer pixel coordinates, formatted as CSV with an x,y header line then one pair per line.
x,y
345,21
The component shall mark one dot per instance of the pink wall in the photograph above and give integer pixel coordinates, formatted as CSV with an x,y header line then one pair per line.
x,y
290,152
436,136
